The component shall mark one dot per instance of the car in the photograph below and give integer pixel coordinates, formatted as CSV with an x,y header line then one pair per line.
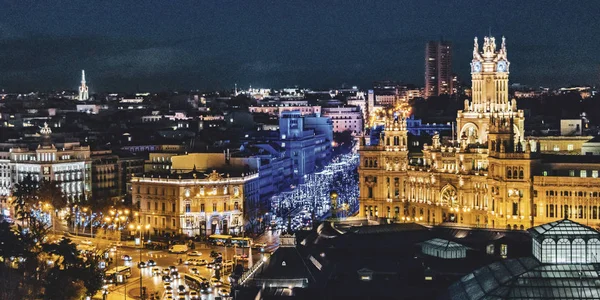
x,y
181,288
126,257
112,249
169,290
259,245
87,242
151,263
223,293
172,269
205,287
210,265
168,297
155,271
194,271
167,278
194,295
191,261
195,253
142,265
175,275
201,262
215,282
182,297
166,284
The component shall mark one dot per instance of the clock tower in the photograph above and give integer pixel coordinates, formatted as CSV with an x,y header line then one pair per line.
x,y
489,76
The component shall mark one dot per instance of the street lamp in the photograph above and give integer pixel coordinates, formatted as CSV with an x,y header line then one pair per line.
x,y
85,209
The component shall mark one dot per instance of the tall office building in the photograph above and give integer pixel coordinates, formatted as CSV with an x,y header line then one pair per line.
x,y
438,68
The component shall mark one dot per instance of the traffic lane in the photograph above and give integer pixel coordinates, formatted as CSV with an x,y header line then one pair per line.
x,y
154,284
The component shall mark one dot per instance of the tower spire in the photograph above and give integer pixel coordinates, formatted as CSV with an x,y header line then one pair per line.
x,y
83,88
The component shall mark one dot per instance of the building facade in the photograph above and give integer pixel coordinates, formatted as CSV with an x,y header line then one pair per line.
x,y
345,118
67,164
195,203
438,68
491,176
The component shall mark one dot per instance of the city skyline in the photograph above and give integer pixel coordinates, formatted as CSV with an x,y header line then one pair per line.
x,y
213,46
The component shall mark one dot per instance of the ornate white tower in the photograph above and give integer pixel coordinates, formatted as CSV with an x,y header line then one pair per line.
x,y
83,89
489,76
489,73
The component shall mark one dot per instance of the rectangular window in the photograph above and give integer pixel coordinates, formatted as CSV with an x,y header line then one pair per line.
x,y
572,173
148,205
570,147
173,207
202,207
595,173
155,205
225,206
370,192
214,207
515,208
173,223
583,173
155,221
164,222
148,220
164,207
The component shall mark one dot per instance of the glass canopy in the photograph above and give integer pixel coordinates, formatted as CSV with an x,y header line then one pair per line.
x,y
527,278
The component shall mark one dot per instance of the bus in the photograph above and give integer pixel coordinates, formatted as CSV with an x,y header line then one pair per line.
x,y
196,283
219,239
241,242
117,274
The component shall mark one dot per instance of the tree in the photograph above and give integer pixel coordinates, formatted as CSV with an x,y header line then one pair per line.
x,y
24,197
51,193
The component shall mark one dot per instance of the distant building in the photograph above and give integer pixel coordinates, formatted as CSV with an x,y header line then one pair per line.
x,y
438,68
345,118
571,127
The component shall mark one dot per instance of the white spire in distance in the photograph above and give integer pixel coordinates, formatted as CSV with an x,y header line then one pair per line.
x,y
83,89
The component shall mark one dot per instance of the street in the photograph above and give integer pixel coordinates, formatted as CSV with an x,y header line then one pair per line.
x,y
164,259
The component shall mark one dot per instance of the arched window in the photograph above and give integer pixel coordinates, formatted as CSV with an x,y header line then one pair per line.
x,y
593,250
578,251
509,173
549,251
188,207
389,212
563,251
235,206
521,174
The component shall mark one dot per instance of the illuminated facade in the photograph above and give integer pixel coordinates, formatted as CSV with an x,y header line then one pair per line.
x,y
195,203
490,176
69,165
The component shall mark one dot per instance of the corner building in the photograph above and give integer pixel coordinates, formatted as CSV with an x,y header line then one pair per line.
x,y
489,176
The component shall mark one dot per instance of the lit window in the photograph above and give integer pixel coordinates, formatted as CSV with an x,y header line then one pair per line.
x,y
556,148
570,147
583,173
595,174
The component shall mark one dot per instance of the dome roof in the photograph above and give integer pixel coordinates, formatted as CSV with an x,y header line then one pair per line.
x,y
327,231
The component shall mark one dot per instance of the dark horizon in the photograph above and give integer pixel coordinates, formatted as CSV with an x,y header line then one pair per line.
x,y
154,46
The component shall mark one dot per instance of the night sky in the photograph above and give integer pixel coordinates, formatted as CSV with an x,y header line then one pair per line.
x,y
159,45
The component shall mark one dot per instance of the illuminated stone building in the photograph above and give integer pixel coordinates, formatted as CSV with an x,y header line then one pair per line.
x,y
490,176
200,201
68,164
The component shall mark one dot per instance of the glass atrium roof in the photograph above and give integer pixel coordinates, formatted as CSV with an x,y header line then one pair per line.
x,y
563,227
527,278
442,244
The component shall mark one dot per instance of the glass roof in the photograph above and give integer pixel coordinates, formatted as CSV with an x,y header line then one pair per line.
x,y
443,244
526,278
563,227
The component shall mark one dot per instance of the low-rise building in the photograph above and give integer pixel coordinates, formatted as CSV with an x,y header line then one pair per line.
x,y
196,202
348,118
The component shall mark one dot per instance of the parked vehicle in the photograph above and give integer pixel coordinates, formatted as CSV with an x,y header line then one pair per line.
x,y
178,249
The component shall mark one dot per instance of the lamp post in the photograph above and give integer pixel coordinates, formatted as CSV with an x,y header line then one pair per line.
x,y
85,209
138,228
